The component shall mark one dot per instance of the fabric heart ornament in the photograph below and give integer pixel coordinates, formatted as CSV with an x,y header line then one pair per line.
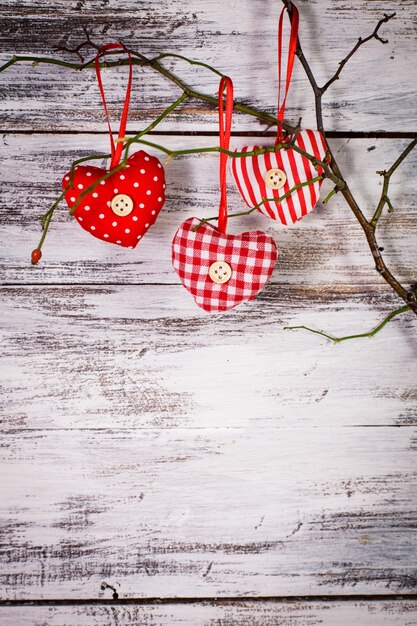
x,y
221,270
117,207
283,184
263,177
122,207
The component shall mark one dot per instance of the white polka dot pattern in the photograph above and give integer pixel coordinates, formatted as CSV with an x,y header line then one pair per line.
x,y
95,207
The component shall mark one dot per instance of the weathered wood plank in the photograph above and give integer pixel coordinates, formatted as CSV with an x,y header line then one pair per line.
x,y
172,453
376,92
327,246
296,613
146,356
208,511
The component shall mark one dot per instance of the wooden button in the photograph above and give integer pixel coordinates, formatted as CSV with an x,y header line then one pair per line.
x,y
122,205
275,178
220,272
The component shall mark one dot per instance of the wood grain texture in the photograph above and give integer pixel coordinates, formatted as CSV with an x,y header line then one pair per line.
x,y
377,92
147,356
296,613
130,465
327,246
189,457
205,511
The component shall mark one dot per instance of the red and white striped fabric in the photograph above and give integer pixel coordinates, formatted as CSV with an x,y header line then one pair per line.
x,y
249,174
250,258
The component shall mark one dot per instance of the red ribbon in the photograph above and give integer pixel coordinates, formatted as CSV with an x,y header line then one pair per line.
x,y
225,126
116,150
292,48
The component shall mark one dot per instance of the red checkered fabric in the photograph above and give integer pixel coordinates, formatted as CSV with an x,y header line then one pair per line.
x,y
249,175
252,257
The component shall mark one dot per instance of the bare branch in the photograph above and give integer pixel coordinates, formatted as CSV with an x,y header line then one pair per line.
x,y
309,74
371,333
85,44
294,134
141,60
359,43
332,171
408,296
387,178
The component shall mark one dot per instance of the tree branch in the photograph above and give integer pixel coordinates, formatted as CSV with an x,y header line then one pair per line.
x,y
84,44
359,43
235,154
408,296
371,333
141,60
310,76
331,171
47,217
387,178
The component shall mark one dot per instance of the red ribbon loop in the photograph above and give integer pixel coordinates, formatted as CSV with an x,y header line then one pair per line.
x,y
225,126
116,150
292,48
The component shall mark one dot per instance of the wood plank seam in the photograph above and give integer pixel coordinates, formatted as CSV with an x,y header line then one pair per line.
x,y
399,597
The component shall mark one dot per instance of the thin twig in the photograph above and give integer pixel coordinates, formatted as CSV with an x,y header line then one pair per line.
x,y
141,60
167,55
187,151
330,195
387,179
47,217
371,333
236,154
310,76
85,44
359,43
295,133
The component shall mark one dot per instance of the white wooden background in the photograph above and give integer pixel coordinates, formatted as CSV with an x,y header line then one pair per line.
x,y
213,469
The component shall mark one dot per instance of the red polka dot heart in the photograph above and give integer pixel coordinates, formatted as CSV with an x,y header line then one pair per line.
x,y
121,208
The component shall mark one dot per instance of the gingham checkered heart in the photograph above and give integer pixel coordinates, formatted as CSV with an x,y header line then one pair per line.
x,y
221,270
256,180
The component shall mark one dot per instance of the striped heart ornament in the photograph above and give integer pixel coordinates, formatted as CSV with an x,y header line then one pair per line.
x,y
263,177
283,184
